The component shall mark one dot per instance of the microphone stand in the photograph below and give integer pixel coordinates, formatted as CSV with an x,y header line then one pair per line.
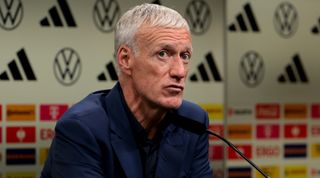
x,y
238,151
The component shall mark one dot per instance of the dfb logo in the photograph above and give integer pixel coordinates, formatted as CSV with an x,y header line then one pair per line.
x,y
199,16
11,14
286,20
67,66
106,14
251,69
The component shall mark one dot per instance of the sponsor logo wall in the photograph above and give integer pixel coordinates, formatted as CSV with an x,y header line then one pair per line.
x,y
271,58
53,53
254,70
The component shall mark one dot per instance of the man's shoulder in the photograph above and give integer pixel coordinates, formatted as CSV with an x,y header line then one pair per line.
x,y
193,111
90,106
91,102
190,105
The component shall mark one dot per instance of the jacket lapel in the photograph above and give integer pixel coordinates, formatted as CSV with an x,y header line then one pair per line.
x,y
128,156
122,139
171,153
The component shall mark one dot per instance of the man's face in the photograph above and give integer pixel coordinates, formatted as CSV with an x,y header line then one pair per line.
x,y
160,66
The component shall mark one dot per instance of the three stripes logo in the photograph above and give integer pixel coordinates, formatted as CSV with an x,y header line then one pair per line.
x,y
286,20
11,14
245,21
110,72
316,28
67,66
16,68
55,16
294,72
105,14
199,16
208,65
156,2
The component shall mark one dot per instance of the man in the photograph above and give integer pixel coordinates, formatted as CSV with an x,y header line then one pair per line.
x,y
127,131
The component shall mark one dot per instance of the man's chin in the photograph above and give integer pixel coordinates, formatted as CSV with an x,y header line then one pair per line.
x,y
173,104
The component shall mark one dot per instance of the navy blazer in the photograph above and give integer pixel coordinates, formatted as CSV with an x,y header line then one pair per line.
x,y
93,139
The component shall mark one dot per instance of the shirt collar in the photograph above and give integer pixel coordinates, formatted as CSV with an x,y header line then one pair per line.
x,y
138,131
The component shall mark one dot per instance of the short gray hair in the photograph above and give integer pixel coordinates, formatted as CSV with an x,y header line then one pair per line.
x,y
151,14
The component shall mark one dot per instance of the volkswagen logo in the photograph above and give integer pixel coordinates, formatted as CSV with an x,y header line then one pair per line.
x,y
67,66
286,20
198,16
106,14
251,69
11,14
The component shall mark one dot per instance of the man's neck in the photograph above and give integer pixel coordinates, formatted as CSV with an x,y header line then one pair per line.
x,y
149,117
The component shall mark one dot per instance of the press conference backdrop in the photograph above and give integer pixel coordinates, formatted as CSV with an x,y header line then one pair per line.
x,y
254,70
272,86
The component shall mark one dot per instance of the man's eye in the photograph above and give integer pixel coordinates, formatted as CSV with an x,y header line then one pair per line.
x,y
185,56
163,53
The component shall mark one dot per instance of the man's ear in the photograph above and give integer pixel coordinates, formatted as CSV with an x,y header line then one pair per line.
x,y
124,57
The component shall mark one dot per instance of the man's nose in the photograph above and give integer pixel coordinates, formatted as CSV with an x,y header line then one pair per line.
x,y
178,68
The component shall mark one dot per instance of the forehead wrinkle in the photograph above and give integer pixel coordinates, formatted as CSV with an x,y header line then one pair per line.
x,y
148,35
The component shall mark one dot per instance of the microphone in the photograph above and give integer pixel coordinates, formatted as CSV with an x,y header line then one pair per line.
x,y
198,128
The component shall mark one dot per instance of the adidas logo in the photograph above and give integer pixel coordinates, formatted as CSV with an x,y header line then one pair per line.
x,y
294,72
110,72
56,17
15,68
209,65
316,28
156,2
244,21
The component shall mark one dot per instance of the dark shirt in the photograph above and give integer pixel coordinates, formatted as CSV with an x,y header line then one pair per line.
x,y
148,148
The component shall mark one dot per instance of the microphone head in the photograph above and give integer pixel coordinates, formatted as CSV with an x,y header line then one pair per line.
x,y
187,123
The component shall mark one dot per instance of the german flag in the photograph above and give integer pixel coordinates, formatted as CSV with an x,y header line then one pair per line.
x,y
239,172
295,150
21,156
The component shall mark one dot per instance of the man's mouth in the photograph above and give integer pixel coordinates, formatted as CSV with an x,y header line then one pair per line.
x,y
176,88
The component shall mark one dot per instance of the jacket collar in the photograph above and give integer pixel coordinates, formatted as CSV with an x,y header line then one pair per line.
x,y
122,139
